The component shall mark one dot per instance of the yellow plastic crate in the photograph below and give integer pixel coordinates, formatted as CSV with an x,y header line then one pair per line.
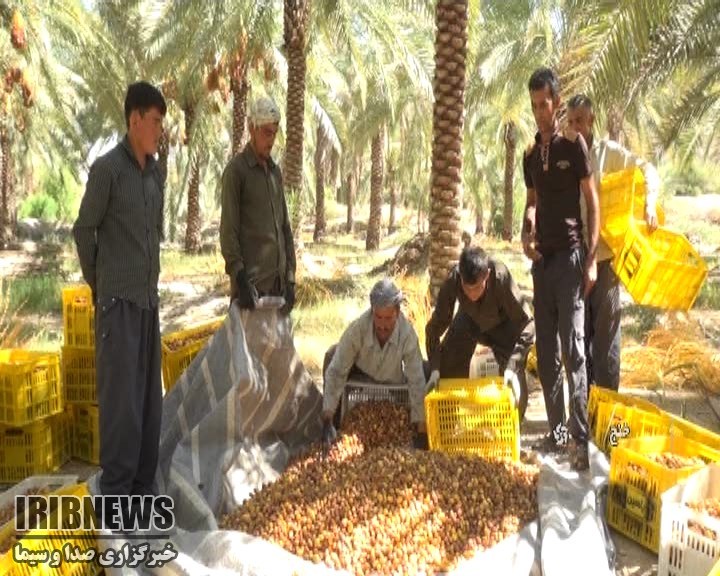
x,y
449,384
681,427
30,386
41,538
660,269
636,483
86,433
180,348
79,374
473,417
616,422
622,200
37,448
613,416
78,316
599,394
616,197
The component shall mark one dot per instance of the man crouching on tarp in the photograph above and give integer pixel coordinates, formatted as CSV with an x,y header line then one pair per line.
x,y
380,346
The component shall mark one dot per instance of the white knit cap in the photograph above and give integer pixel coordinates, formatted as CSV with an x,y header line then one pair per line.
x,y
264,111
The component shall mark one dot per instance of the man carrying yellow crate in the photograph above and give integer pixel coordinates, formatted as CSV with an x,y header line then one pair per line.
x,y
380,346
602,305
491,312
117,234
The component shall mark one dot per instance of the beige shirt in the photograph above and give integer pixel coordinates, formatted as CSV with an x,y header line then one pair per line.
x,y
607,157
397,363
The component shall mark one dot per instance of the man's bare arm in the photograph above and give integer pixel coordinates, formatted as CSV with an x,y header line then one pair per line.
x,y
587,187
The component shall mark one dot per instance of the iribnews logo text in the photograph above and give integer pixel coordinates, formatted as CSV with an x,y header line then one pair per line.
x,y
69,512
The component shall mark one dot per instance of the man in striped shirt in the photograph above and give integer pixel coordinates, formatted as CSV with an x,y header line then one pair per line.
x,y
117,234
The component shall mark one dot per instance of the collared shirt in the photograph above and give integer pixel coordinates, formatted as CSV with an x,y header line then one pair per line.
x,y
606,157
119,227
500,302
255,229
558,222
396,363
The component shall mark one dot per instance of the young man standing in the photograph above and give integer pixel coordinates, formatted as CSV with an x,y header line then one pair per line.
x,y
557,170
117,234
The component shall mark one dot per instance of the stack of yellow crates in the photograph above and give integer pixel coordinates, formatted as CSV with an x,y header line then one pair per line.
x,y
642,440
34,430
659,268
78,359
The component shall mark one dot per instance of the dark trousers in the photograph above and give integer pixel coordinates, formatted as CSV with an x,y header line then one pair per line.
x,y
463,335
129,393
560,310
602,329
355,374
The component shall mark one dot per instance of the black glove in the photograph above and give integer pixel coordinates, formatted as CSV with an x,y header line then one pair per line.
x,y
247,294
420,441
289,297
329,435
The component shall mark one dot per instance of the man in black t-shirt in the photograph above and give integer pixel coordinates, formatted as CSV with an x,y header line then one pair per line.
x,y
556,171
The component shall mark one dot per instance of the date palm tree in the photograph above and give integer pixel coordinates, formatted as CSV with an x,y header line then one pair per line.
x,y
446,192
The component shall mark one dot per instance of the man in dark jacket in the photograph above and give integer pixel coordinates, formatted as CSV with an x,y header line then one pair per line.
x,y
491,312
255,236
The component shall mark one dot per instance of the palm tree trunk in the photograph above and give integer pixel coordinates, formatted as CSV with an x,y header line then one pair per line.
x,y
392,184
372,240
240,86
163,153
319,231
6,190
192,224
351,182
510,151
334,173
295,19
448,117
479,227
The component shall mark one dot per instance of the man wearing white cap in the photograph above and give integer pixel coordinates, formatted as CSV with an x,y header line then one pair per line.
x,y
380,346
255,236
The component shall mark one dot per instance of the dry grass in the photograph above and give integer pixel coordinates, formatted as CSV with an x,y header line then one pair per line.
x,y
418,306
675,356
12,334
